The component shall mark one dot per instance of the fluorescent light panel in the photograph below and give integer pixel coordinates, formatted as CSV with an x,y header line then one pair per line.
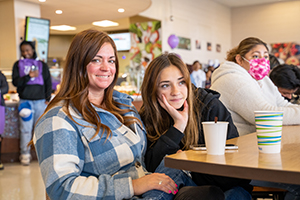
x,y
121,10
105,23
58,12
63,28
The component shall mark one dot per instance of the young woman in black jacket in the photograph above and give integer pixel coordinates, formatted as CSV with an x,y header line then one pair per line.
x,y
172,112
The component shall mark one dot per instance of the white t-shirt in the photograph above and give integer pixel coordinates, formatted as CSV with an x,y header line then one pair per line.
x,y
199,78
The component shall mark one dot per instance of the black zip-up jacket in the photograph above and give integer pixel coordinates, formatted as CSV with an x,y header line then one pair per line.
x,y
3,87
207,101
32,92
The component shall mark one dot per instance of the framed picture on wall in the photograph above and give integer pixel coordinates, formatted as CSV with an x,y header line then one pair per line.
x,y
288,52
184,43
198,44
209,46
218,48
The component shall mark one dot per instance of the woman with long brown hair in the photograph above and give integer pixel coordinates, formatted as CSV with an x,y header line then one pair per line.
x,y
172,112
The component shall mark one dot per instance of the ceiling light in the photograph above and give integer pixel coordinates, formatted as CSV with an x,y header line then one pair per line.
x,y
63,28
105,23
58,12
121,10
42,0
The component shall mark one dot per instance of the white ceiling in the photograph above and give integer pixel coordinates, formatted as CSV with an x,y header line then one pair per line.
x,y
239,3
77,12
81,13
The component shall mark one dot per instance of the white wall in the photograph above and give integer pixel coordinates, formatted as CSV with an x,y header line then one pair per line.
x,y
7,35
202,20
273,23
59,45
23,9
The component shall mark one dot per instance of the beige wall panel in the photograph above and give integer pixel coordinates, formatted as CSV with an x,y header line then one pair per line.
x,y
277,22
7,35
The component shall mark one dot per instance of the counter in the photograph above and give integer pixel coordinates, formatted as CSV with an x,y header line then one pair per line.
x,y
11,120
10,151
11,135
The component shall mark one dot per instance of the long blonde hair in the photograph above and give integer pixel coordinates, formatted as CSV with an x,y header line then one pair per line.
x,y
75,82
156,119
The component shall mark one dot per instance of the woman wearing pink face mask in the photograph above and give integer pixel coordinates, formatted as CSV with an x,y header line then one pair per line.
x,y
245,87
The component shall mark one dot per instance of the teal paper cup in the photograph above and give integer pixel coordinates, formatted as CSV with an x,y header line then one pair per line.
x,y
268,130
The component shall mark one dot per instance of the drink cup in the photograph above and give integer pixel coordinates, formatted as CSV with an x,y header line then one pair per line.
x,y
34,68
215,137
268,130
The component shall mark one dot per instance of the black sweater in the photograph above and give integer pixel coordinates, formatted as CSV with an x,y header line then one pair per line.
x,y
207,101
32,92
3,87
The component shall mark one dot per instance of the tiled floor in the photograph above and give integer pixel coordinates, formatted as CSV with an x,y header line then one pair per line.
x,y
19,182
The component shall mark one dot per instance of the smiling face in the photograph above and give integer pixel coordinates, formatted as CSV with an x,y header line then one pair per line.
x,y
172,85
258,51
101,70
27,51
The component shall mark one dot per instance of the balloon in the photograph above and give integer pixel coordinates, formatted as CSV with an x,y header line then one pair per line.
x,y
178,55
173,41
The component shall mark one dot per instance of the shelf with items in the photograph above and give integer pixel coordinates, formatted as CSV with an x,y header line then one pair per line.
x,y
130,90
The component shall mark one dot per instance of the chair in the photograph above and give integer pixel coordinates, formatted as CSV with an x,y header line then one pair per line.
x,y
47,197
268,193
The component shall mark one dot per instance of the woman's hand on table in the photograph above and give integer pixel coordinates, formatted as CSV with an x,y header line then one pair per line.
x,y
179,151
157,181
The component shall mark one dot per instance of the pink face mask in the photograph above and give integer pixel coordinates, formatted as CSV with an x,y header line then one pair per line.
x,y
259,68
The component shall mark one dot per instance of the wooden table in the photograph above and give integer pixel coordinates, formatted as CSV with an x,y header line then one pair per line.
x,y
247,162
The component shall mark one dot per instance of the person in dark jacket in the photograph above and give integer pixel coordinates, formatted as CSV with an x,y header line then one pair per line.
x,y
3,90
287,79
32,78
172,112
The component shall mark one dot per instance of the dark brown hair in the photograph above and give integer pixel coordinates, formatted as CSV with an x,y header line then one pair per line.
x,y
155,118
194,65
286,76
75,82
244,47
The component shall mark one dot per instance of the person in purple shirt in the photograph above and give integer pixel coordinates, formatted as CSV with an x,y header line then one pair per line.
x,y
3,90
32,78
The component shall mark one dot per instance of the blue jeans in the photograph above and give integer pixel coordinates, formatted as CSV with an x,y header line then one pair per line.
x,y
178,176
237,193
182,179
26,127
293,190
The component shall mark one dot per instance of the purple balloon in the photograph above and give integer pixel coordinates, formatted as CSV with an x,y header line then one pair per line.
x,y
173,41
178,56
